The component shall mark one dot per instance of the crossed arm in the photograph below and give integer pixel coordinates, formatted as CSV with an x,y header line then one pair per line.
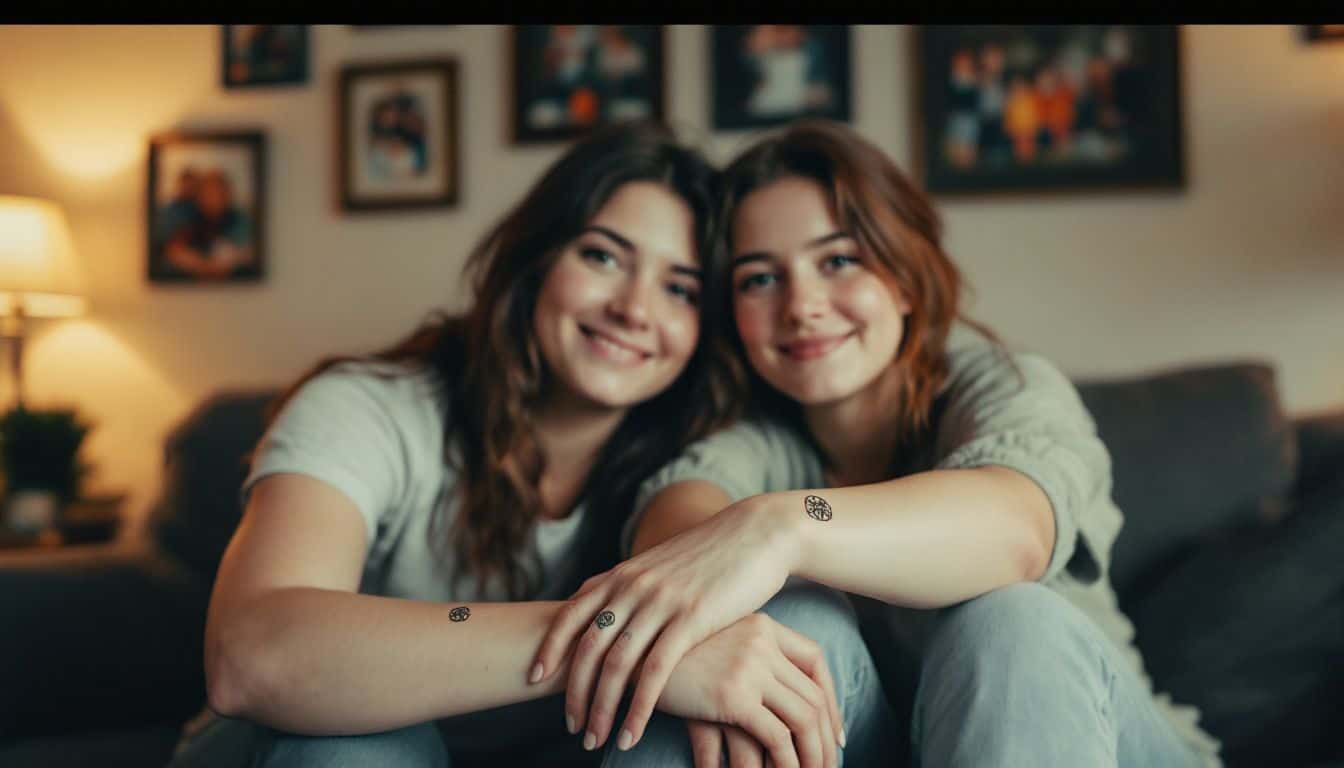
x,y
290,642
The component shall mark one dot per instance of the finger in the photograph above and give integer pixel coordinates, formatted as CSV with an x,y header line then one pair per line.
x,y
706,743
811,659
589,583
589,653
773,735
572,619
625,653
800,718
663,657
787,673
743,750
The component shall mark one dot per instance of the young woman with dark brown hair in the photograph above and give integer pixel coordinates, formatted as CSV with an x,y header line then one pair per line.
x,y
414,518
898,452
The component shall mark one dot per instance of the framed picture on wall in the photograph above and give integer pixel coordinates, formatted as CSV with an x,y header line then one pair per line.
x,y
399,135
264,54
569,78
206,207
1023,108
768,74
1320,33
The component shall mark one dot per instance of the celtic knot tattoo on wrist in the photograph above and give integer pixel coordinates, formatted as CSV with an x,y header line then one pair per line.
x,y
460,613
605,619
817,508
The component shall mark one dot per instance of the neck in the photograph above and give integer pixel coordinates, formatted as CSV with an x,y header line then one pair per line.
x,y
571,432
858,434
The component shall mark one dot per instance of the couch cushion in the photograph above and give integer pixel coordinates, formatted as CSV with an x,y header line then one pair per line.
x,y
205,463
1192,451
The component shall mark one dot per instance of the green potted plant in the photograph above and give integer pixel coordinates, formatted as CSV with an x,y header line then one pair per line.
x,y
42,471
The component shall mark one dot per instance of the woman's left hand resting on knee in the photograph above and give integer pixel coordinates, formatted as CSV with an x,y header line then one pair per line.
x,y
926,540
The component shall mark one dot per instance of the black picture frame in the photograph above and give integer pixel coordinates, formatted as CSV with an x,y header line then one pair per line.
x,y
555,99
189,174
1083,107
763,75
248,63
398,166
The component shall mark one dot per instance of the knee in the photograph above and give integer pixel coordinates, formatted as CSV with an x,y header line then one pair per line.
x,y
826,617
1021,627
419,746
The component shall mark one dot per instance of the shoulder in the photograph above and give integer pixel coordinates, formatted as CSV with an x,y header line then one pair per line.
x,y
404,398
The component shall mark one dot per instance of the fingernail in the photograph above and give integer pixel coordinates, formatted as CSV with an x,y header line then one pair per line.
x,y
536,673
842,737
589,741
569,723
625,740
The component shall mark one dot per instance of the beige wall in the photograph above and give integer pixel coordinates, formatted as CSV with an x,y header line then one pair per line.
x,y
1248,262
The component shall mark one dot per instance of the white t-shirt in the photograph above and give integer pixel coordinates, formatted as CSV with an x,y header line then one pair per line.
x,y
379,440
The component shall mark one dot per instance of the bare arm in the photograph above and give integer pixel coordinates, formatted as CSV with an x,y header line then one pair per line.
x,y
290,644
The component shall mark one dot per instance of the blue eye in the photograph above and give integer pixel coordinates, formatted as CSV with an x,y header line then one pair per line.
x,y
753,282
838,261
597,255
684,293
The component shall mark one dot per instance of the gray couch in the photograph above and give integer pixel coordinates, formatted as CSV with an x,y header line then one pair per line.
x,y
1230,565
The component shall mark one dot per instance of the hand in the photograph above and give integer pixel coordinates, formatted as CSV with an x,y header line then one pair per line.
x,y
661,603
745,687
709,740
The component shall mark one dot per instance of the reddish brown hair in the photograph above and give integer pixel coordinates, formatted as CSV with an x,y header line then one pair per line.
x,y
894,223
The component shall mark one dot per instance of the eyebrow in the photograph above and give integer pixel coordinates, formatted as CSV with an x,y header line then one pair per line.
x,y
810,244
626,245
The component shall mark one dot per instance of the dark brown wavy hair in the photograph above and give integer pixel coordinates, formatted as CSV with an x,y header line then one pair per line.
x,y
493,375
893,222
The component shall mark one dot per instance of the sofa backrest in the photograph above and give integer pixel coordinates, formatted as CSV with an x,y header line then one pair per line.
x,y
205,463
1192,451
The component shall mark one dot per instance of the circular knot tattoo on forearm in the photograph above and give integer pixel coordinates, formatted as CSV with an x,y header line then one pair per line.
x,y
817,508
460,613
605,619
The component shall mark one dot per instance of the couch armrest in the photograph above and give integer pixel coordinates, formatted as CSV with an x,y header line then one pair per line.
x,y
98,637
1320,446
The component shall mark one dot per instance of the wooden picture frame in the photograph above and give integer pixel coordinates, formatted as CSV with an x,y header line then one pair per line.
x,y
763,75
398,135
206,207
264,55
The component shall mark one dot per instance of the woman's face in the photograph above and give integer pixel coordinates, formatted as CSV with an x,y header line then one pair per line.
x,y
820,322
617,318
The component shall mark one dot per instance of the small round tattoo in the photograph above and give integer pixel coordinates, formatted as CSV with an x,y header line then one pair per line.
x,y
461,613
817,508
605,619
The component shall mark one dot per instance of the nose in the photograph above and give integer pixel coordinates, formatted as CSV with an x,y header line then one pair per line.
x,y
630,305
806,300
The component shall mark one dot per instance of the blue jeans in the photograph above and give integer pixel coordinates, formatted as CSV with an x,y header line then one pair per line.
x,y
1019,676
820,613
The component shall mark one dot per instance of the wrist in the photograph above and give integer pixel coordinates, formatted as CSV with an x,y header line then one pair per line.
x,y
779,519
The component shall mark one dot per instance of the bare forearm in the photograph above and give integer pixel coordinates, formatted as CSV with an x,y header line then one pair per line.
x,y
926,540
322,661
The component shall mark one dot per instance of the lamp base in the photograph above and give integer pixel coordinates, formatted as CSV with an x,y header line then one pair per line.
x,y
31,511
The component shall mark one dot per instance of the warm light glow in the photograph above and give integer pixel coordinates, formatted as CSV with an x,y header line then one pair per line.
x,y
39,271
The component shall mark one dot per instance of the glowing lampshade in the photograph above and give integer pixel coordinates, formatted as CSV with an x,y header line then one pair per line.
x,y
40,275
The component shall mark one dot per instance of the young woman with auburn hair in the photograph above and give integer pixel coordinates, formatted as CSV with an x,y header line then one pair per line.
x,y
899,452
414,517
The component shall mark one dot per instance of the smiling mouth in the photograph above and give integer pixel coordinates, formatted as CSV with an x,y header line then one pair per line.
x,y
813,348
611,348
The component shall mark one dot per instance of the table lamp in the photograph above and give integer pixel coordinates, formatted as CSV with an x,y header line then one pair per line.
x,y
40,274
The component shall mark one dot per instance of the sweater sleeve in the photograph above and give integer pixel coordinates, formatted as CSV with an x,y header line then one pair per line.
x,y
1018,411
747,459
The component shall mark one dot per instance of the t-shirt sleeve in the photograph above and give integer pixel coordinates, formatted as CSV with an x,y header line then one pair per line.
x,y
745,459
339,428
1019,411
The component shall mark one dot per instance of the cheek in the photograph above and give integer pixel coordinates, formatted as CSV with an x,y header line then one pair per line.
x,y
681,331
866,300
570,287
755,321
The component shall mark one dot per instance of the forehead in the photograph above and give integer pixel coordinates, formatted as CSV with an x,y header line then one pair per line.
x,y
782,216
652,217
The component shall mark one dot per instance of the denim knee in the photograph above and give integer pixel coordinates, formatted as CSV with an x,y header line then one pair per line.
x,y
418,746
1024,624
